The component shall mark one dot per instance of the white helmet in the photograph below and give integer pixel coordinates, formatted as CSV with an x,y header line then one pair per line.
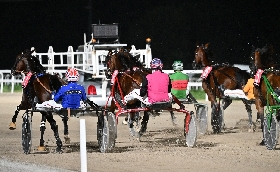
x,y
177,65
72,74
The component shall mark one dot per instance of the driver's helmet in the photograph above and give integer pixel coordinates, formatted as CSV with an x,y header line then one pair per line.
x,y
156,64
72,74
177,65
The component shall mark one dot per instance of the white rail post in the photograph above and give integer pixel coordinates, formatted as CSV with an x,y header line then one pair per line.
x,y
148,55
50,60
83,148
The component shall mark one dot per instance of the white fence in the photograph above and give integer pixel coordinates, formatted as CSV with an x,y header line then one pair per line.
x,y
89,60
7,79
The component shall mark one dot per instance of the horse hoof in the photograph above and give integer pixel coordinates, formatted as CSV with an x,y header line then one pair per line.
x,y
12,126
124,122
41,148
67,139
262,143
58,150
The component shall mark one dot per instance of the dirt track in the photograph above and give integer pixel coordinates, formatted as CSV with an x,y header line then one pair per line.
x,y
161,148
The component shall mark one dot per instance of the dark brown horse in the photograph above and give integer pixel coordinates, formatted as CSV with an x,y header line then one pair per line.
x,y
38,89
266,93
127,72
220,78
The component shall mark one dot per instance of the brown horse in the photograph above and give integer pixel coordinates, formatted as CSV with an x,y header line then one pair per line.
x,y
127,72
39,88
220,78
266,93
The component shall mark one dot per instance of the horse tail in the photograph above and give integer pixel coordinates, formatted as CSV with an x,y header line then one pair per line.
x,y
242,77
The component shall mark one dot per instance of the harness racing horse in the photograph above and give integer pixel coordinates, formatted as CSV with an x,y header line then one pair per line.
x,y
217,79
266,91
37,88
126,73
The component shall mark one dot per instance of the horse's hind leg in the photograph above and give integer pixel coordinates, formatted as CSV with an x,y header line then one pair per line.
x,y
252,128
42,130
144,122
12,125
173,118
66,132
54,127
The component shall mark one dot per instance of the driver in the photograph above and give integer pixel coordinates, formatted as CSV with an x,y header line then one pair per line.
x,y
71,94
179,81
158,85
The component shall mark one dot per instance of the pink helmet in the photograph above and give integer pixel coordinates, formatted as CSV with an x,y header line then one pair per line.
x,y
72,74
156,64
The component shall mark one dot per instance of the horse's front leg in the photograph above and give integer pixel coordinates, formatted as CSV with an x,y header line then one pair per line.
x,y
42,130
247,104
12,125
54,127
173,118
66,132
260,114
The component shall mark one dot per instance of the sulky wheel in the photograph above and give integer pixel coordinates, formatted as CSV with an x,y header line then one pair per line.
x,y
217,119
201,117
190,129
106,132
270,132
26,134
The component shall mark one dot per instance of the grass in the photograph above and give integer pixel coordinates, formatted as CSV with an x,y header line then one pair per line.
x,y
8,87
198,94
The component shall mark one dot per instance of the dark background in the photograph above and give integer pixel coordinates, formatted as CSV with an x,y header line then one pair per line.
x,y
231,27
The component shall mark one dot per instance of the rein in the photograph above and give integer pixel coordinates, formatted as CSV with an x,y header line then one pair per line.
x,y
38,80
137,82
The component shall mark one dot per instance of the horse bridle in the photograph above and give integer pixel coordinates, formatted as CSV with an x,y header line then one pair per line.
x,y
24,71
24,58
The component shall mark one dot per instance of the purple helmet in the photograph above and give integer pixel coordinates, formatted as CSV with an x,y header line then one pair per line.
x,y
156,64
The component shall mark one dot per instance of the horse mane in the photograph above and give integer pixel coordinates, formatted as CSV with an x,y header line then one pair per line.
x,y
38,68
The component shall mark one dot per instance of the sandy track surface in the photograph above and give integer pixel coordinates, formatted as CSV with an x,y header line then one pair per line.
x,y
162,148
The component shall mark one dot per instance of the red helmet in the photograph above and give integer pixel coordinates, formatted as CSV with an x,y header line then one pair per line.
x,y
72,74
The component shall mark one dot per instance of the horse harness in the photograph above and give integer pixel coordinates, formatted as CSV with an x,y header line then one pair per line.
x,y
221,88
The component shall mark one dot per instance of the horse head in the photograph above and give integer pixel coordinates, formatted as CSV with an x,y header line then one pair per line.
x,y
201,56
261,58
122,61
26,62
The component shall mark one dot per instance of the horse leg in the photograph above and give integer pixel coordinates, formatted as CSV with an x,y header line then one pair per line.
x,y
144,122
227,102
42,129
173,118
260,109
130,123
249,111
12,125
22,106
54,127
66,132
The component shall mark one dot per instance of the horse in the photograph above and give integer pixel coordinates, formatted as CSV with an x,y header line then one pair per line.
x,y
130,73
218,79
267,91
38,89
